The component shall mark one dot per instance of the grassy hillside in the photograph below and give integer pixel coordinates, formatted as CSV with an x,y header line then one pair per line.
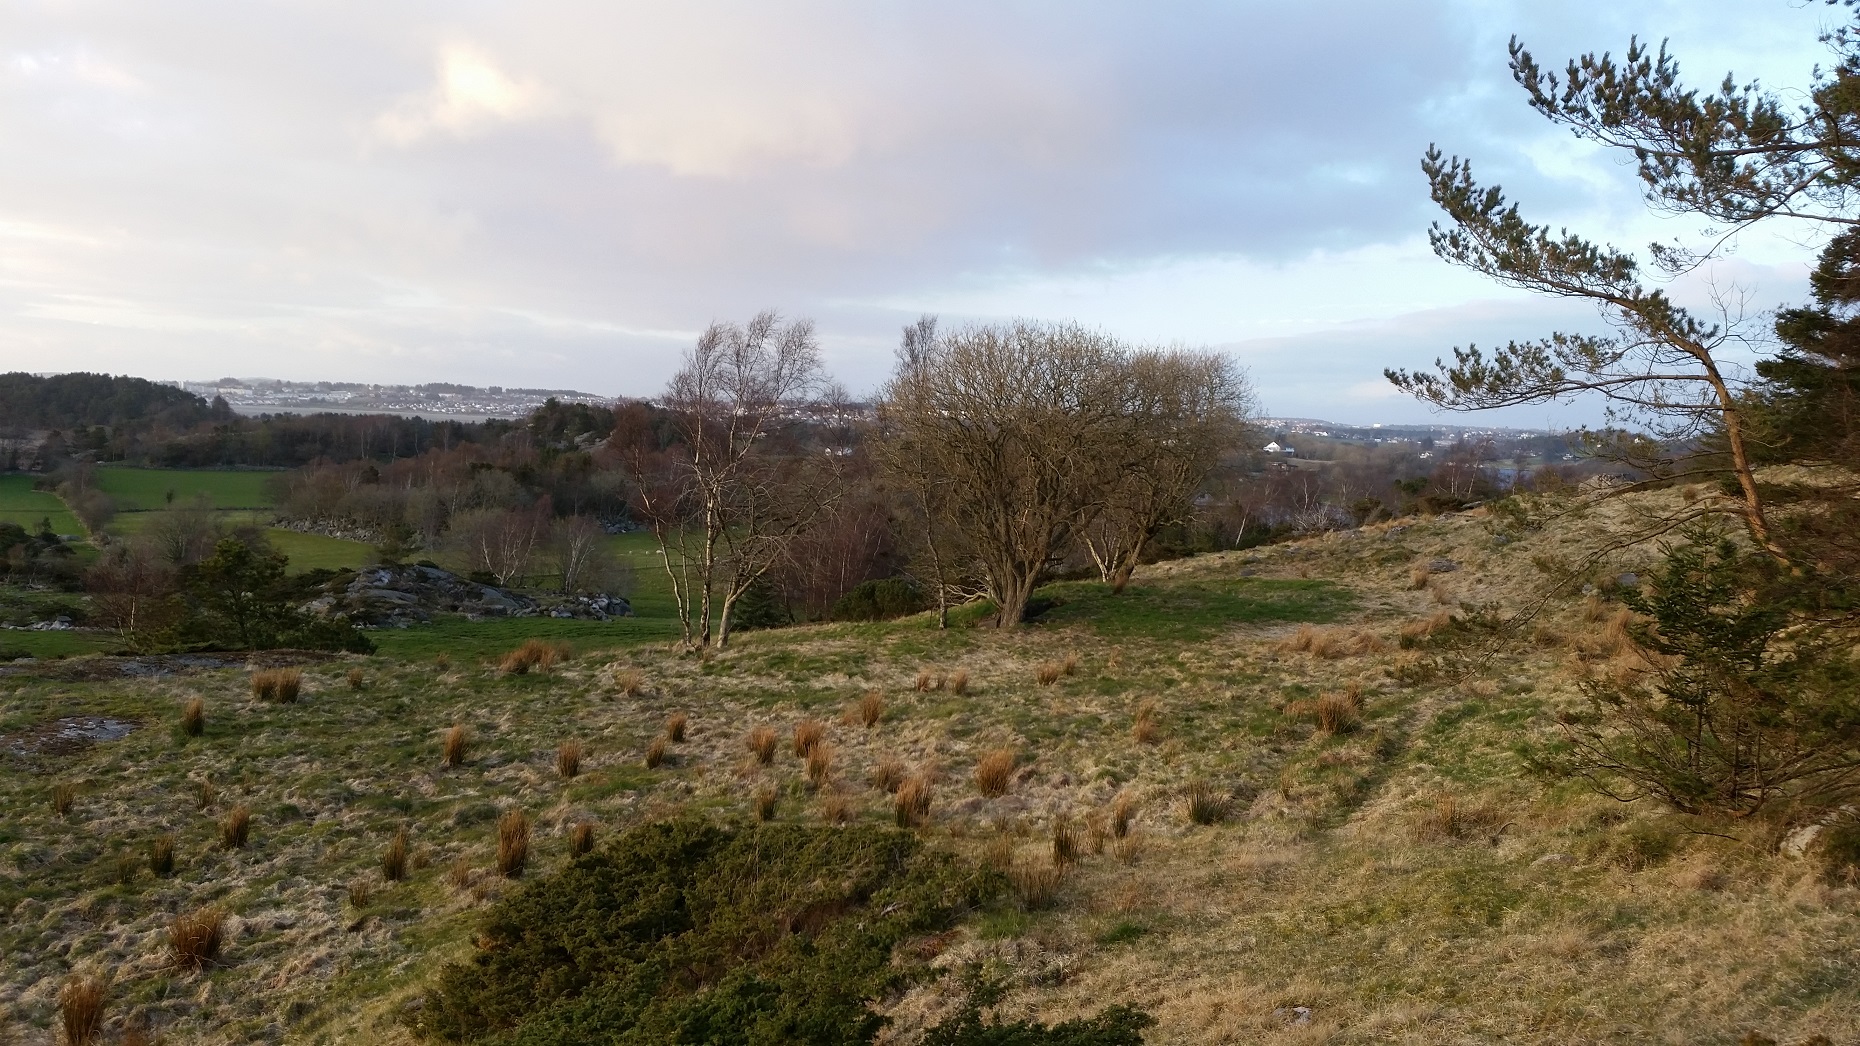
x,y
1378,864
21,504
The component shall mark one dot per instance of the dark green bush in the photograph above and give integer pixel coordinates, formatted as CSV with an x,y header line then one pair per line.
x,y
1115,1026
881,600
686,932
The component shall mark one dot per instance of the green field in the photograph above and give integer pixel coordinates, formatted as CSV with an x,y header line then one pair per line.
x,y
21,504
141,490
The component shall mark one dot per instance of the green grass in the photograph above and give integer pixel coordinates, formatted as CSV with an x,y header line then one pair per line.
x,y
471,640
21,504
140,489
313,551
1192,611
55,644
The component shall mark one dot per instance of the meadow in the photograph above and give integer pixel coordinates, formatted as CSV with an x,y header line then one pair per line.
x,y
1330,830
21,504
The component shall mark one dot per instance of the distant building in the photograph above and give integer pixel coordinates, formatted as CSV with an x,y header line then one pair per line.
x,y
1275,448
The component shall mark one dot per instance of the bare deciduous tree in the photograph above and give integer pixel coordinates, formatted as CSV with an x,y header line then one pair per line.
x,y
502,542
732,478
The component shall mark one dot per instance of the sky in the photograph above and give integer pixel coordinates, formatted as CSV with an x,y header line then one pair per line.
x,y
562,194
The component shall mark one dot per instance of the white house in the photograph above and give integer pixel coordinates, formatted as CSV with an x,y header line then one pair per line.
x,y
1274,448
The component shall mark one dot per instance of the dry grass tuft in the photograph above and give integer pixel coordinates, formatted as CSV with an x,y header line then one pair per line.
x,y
361,894
1144,728
762,741
442,661
995,772
581,839
513,843
834,809
568,759
456,740
394,858
999,853
64,797
959,681
1448,819
1418,577
1070,666
194,717
458,873
207,794
80,1009
1065,842
1331,643
1097,834
1339,713
655,753
1128,848
631,682
1123,808
1422,628
1048,672
355,679
236,830
161,856
282,685
928,680
820,765
767,797
1594,608
1203,805
675,727
888,774
195,938
1036,886
871,708
911,804
807,734
537,654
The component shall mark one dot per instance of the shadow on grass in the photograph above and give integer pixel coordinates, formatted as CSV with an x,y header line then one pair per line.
x,y
1190,611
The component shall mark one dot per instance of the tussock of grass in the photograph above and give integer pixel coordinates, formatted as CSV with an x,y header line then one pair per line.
x,y
1048,672
1036,886
195,939
355,679
928,680
807,734
995,772
871,708
1065,842
161,856
835,809
630,682
581,839
761,742
80,1009
1447,819
958,682
655,753
64,798
513,843
206,794
888,774
538,654
279,685
1123,809
457,738
568,759
1202,805
1332,643
1339,713
194,717
394,858
236,830
675,726
767,797
458,873
819,765
1143,727
910,805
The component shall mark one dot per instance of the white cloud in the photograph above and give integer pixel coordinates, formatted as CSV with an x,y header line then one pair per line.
x,y
470,94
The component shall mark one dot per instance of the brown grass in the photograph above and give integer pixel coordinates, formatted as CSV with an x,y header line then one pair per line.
x,y
871,708
194,717
888,774
1070,666
1417,578
1338,713
1128,848
1144,727
458,873
999,853
1048,672
442,661
355,678
568,759
1202,805
1036,886
281,685
807,734
537,654
80,1009
631,682
1449,819
995,772
928,680
236,830
1594,608
834,808
1422,628
394,858
456,740
1123,808
64,797
1331,643
161,856
513,843
766,798
581,839
911,804
959,681
207,794
820,764
361,894
1065,842
195,938
762,741
655,753
675,726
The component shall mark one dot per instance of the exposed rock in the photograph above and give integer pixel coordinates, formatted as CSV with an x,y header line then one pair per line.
x,y
1442,566
399,596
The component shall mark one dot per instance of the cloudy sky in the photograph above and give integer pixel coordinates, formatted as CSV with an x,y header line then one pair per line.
x,y
559,193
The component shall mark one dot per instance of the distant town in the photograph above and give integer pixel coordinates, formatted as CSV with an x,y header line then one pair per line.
x,y
275,396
